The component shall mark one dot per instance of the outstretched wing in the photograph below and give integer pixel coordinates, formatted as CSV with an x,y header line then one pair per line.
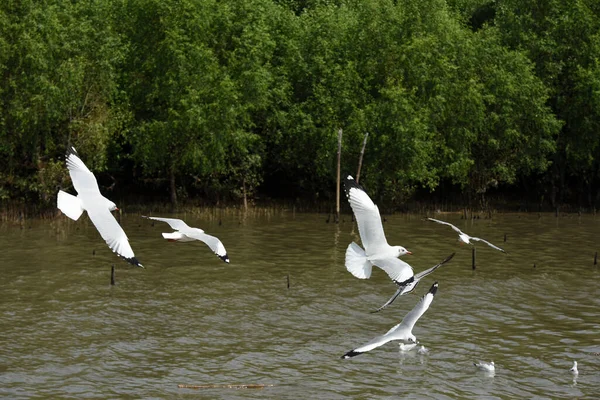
x,y
83,179
174,223
214,243
488,243
398,270
423,274
112,233
446,223
411,318
367,216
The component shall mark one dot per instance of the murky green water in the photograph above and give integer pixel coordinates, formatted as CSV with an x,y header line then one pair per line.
x,y
191,319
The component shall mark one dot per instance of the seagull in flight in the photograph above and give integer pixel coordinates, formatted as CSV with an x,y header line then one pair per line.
x,y
97,206
377,251
463,237
410,285
184,233
402,331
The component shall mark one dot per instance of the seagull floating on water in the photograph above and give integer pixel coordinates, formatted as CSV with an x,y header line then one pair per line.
x,y
377,251
402,331
97,206
405,347
485,366
187,234
463,237
574,370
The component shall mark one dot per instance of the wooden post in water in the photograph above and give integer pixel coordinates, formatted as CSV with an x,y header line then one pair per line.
x,y
362,153
288,281
337,192
474,257
596,258
505,238
112,275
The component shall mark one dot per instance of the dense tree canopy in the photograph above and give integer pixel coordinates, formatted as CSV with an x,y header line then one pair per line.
x,y
219,100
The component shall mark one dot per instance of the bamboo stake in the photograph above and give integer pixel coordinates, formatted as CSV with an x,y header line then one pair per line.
x,y
360,159
112,275
337,192
242,386
474,257
596,258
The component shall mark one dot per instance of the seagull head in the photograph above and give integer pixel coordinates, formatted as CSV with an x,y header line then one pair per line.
x,y
411,339
112,206
401,251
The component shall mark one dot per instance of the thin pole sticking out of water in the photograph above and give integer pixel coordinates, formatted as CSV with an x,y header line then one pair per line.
x,y
474,257
288,281
337,192
112,275
362,153
596,258
505,238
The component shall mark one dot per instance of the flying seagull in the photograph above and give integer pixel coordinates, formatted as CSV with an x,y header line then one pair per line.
x,y
485,366
377,251
410,285
184,233
463,237
402,331
97,206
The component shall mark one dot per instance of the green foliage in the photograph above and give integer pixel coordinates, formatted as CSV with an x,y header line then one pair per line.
x,y
222,99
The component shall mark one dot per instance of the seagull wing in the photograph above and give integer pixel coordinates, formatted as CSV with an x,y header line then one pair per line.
x,y
367,216
370,345
174,223
423,274
398,270
446,223
391,300
214,243
488,243
83,179
112,233
411,318
411,284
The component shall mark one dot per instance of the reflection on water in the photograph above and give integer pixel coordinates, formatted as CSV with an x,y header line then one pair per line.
x,y
191,319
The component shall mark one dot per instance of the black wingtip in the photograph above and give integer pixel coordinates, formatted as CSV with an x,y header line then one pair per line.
x,y
350,183
225,258
134,261
71,150
434,288
351,354
448,258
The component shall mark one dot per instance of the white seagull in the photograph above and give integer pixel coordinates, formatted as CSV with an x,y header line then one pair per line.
x,y
187,234
406,347
485,366
377,251
463,237
574,370
97,206
402,331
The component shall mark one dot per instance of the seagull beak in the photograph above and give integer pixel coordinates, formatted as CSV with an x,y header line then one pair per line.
x,y
117,209
409,253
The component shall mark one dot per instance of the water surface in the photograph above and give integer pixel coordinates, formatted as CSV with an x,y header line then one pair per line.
x,y
189,318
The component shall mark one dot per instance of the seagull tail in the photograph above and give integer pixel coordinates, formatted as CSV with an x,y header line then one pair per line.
x,y
357,262
69,205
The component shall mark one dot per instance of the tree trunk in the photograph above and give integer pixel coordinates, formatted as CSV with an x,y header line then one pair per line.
x,y
360,159
173,187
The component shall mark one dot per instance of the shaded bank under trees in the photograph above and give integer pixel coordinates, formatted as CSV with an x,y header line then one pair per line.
x,y
235,99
